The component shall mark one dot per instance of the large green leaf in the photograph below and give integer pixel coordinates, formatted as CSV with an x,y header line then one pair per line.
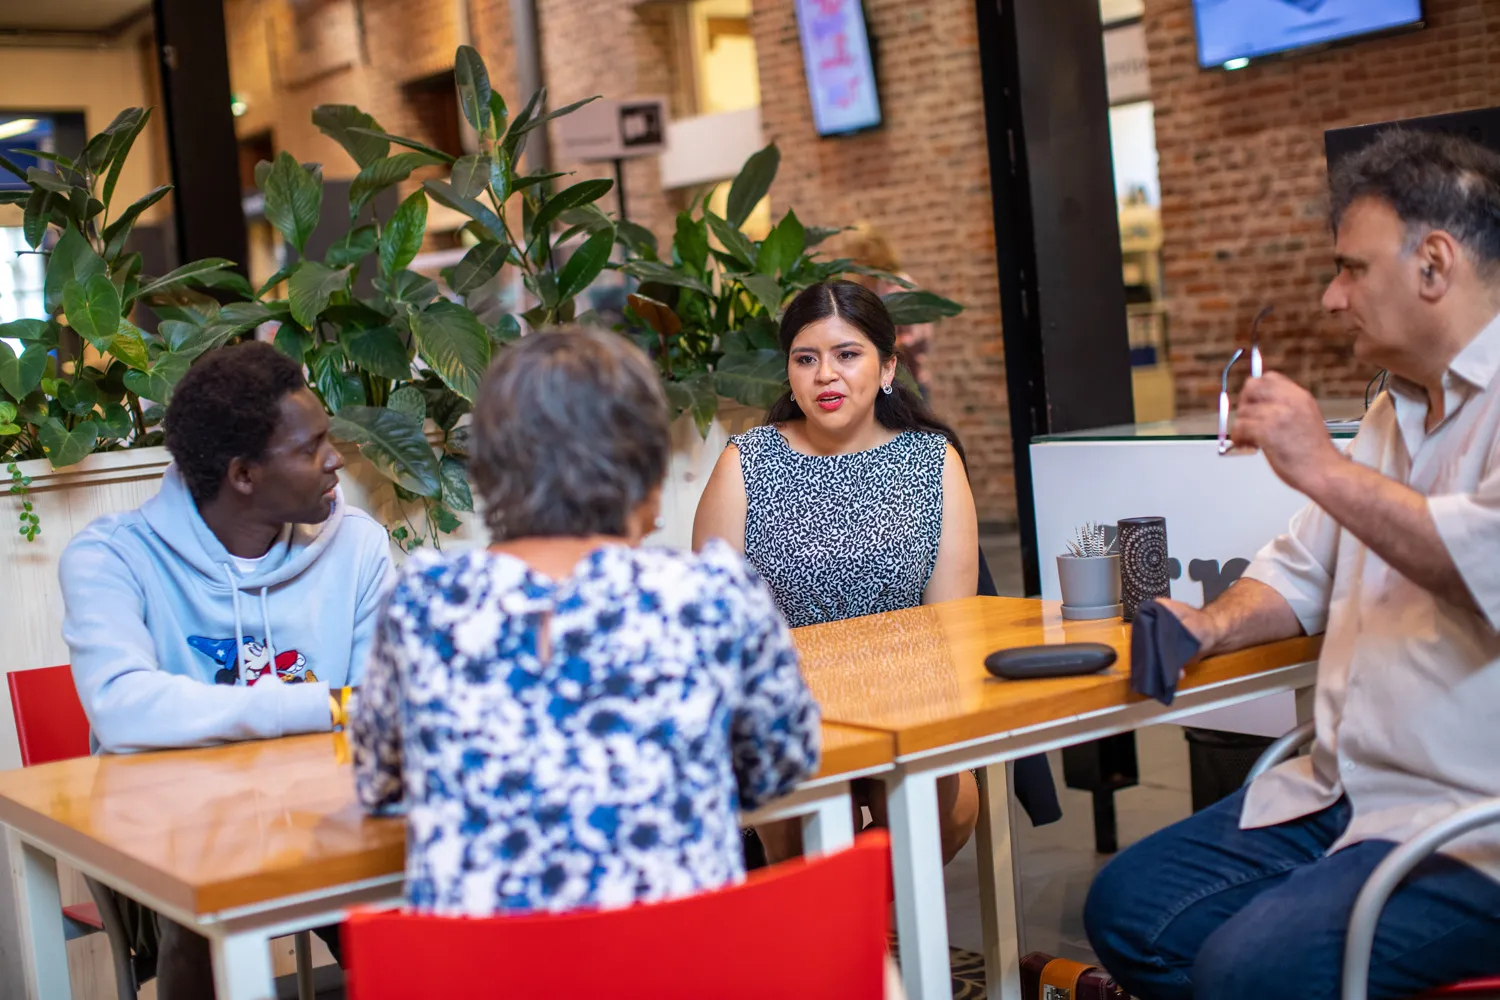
x,y
119,149
471,175
378,350
129,345
402,237
766,289
734,242
92,307
115,423
453,343
65,447
515,136
696,396
636,237
29,329
480,264
311,288
97,152
443,193
755,378
420,147
456,492
19,375
293,341
783,247
72,260
382,174
188,274
394,442
473,86
157,383
752,184
575,196
118,231
339,121
662,274
334,383
409,400
34,217
566,109
911,308
586,263
691,241
37,177
78,397
351,248
294,198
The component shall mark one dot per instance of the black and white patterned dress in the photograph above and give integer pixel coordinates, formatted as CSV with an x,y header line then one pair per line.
x,y
607,771
839,536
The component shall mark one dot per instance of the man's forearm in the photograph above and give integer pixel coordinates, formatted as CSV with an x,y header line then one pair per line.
x,y
1396,524
1249,613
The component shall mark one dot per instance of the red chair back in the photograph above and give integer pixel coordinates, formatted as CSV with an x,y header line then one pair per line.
x,y
801,929
50,724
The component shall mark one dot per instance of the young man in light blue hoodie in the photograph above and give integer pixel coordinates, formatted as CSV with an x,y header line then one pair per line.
x,y
233,603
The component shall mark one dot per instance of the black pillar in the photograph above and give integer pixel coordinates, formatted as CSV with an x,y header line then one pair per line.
x,y
194,56
1057,231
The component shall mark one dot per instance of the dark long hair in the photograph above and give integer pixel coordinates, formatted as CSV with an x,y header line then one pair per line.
x,y
901,409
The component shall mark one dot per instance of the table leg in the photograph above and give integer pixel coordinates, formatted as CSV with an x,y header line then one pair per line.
x,y
999,885
921,905
830,826
242,967
44,953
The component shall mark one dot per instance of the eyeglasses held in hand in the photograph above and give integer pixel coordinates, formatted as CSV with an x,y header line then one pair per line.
x,y
1226,444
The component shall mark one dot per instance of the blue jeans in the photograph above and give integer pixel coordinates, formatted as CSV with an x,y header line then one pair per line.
x,y
1204,909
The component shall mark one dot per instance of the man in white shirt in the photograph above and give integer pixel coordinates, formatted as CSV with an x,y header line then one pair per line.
x,y
1397,561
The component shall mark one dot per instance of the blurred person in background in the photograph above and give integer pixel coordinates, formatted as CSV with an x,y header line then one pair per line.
x,y
868,247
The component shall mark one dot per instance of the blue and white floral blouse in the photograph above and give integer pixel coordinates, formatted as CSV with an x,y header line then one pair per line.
x,y
583,742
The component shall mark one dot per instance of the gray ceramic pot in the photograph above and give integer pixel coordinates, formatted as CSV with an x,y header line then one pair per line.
x,y
1090,586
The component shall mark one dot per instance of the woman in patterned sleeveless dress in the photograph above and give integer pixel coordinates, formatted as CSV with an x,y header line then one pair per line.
x,y
852,499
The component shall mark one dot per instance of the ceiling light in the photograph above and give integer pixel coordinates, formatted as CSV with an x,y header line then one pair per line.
x,y
1235,64
17,126
237,105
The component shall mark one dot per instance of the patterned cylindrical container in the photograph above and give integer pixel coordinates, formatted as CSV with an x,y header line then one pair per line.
x,y
1143,562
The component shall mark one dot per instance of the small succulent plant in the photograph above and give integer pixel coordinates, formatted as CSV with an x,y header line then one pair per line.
x,y
1088,542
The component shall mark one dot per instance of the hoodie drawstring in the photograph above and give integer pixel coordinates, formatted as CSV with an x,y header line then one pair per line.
x,y
239,629
265,621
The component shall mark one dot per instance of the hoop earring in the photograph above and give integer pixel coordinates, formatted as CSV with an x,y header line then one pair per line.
x,y
887,389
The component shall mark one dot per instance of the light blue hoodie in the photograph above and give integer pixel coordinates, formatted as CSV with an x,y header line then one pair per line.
x,y
156,608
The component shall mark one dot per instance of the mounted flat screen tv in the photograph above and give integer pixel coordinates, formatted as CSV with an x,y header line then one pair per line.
x,y
1233,32
840,69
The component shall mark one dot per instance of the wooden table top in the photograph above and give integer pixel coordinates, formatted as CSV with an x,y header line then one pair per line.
x,y
919,674
221,827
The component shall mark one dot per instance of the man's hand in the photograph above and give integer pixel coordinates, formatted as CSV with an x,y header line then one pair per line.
x,y
1283,420
1198,622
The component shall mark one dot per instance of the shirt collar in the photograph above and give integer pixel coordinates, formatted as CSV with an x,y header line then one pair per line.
x,y
1479,361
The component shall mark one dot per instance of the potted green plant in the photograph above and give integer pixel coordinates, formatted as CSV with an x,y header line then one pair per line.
x,y
398,370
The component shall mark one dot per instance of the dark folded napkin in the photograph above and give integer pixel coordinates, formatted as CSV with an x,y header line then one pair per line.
x,y
1159,648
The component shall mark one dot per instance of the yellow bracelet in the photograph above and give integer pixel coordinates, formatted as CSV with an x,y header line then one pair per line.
x,y
336,710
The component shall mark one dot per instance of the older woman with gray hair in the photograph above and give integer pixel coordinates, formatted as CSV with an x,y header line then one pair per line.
x,y
568,719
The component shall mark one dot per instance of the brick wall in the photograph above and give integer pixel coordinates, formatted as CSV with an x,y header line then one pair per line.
x,y
1244,180
923,180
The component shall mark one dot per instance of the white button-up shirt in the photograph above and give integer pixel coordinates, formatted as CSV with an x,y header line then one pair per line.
x,y
1408,696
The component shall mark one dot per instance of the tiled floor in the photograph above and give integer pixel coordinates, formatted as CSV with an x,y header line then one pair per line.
x,y
1058,861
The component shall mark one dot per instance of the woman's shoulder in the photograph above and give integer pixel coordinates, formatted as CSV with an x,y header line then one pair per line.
x,y
756,439
716,560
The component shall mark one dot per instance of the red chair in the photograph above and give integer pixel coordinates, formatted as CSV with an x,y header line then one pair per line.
x,y
802,929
